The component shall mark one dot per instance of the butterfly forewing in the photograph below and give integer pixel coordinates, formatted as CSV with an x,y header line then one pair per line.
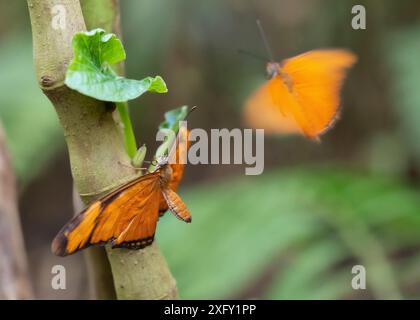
x,y
317,77
127,217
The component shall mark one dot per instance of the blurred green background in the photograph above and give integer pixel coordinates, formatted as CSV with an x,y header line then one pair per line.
x,y
318,209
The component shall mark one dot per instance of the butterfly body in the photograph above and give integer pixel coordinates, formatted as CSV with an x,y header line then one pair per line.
x,y
302,93
274,69
127,217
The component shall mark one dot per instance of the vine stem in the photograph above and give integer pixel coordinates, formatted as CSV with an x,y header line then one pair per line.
x,y
129,137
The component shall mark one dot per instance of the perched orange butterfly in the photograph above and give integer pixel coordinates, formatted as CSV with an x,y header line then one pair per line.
x,y
127,217
302,95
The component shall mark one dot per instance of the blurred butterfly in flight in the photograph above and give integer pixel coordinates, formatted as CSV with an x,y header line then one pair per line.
x,y
302,94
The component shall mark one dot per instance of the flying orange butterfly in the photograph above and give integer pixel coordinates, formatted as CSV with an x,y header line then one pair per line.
x,y
127,217
303,93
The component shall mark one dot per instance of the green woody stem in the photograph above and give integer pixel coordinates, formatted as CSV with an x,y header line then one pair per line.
x,y
95,145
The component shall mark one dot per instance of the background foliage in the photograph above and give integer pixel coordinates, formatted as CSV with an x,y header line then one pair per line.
x,y
295,231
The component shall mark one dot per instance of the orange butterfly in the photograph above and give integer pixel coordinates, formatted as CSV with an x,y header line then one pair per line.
x,y
302,95
127,217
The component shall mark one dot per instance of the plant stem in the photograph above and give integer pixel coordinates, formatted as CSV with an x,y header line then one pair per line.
x,y
129,138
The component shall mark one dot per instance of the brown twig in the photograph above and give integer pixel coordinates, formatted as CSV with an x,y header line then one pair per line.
x,y
14,279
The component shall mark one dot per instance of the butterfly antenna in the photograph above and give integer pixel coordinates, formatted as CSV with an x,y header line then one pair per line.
x,y
189,111
264,39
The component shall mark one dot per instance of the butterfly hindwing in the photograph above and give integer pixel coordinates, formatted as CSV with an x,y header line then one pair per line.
x,y
176,205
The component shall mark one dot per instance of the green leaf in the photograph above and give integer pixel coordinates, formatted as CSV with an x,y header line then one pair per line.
x,y
173,117
90,71
138,158
170,126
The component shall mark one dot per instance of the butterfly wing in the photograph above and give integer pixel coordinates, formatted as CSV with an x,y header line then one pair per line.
x,y
177,158
176,205
262,110
127,217
316,79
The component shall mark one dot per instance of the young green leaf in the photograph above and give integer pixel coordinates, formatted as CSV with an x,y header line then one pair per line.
x,y
173,117
138,158
90,71
170,127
